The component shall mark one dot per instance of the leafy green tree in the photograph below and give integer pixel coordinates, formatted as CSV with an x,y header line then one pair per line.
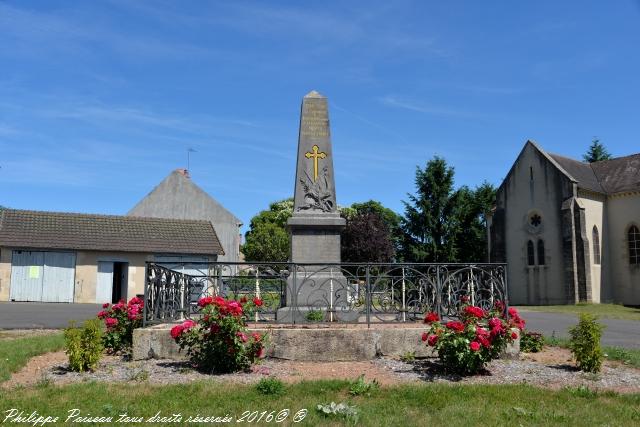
x,y
429,223
389,217
597,152
268,239
367,238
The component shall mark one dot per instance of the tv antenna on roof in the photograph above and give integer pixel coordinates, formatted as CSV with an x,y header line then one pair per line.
x,y
189,151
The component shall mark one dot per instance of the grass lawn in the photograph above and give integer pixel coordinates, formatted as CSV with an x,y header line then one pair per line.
x,y
628,356
14,353
414,405
609,311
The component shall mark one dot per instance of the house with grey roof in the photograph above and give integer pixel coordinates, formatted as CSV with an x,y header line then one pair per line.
x,y
178,197
85,258
569,231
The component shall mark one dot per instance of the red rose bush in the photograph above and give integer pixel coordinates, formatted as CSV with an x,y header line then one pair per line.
x,y
218,342
121,319
465,346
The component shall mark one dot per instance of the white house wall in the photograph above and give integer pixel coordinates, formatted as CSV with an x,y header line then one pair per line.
x,y
594,205
622,211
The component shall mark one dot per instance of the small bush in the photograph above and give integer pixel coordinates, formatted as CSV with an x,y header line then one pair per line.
x,y
121,319
315,316
84,346
270,386
466,345
361,387
585,343
531,342
408,357
219,341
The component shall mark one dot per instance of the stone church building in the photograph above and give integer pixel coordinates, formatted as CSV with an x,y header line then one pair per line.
x,y
568,230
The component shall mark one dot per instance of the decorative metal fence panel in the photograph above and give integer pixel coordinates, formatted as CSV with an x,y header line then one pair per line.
x,y
304,293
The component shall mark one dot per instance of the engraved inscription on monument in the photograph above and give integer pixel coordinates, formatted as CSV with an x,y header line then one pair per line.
x,y
315,121
315,187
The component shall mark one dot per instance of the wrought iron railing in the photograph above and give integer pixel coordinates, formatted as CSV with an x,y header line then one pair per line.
x,y
303,293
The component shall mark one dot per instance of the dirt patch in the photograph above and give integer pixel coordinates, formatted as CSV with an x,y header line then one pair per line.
x,y
6,334
552,368
37,369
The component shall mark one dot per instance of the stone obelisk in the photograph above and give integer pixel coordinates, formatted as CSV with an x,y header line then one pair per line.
x,y
315,225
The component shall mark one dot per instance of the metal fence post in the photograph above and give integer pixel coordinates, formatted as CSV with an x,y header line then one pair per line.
x,y
368,296
257,290
294,297
145,293
404,298
439,292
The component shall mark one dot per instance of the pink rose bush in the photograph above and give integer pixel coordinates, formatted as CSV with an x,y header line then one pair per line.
x,y
465,346
218,342
121,319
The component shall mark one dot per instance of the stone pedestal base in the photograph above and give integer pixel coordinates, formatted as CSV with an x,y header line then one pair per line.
x,y
319,294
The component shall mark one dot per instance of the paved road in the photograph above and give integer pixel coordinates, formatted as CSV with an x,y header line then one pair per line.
x,y
621,333
36,315
31,315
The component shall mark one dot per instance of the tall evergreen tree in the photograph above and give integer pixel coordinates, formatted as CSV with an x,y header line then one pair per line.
x,y
429,224
472,207
597,152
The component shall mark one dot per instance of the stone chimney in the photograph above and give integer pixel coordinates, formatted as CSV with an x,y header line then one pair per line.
x,y
184,173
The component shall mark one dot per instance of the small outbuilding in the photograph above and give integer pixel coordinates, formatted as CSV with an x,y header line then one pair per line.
x,y
85,258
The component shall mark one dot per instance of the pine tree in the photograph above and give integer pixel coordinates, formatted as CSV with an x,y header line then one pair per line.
x,y
429,224
597,152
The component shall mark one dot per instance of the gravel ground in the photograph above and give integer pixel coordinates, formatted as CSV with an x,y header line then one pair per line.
x,y
551,368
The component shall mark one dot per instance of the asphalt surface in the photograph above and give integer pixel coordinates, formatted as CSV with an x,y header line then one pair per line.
x,y
619,333
32,315
38,315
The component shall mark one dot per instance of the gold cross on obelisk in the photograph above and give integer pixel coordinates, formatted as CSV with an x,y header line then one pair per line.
x,y
316,155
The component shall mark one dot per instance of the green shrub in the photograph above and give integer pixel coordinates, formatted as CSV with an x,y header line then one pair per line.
x,y
339,410
270,386
84,346
466,345
585,343
531,342
120,320
408,357
219,341
361,387
315,316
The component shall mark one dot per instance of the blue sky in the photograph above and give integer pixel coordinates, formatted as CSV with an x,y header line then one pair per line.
x,y
99,101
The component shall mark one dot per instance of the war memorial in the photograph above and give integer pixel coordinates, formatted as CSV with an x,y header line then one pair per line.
x,y
315,306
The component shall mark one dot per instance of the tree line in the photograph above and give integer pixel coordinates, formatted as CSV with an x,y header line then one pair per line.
x,y
440,224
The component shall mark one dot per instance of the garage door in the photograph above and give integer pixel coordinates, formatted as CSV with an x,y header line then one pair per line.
x,y
42,276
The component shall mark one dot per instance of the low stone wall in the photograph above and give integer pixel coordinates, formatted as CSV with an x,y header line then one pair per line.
x,y
320,344
308,344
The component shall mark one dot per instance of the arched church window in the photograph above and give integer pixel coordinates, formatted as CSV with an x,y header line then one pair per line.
x,y
530,256
595,237
633,237
540,252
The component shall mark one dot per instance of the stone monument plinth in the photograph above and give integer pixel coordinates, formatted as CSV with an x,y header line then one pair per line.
x,y
315,225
